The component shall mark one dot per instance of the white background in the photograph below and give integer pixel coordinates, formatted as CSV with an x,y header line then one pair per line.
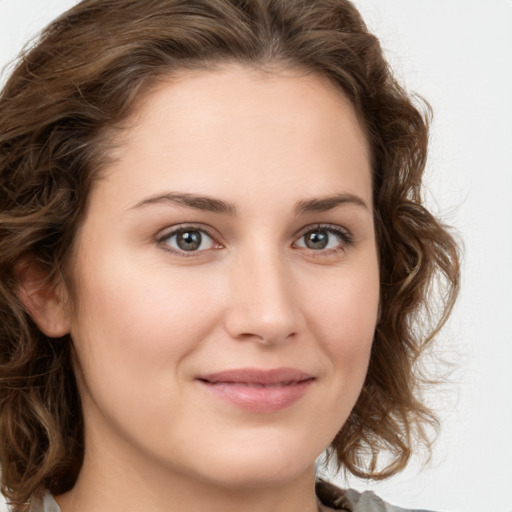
x,y
458,54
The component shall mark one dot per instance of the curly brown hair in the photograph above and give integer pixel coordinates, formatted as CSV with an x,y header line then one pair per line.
x,y
83,78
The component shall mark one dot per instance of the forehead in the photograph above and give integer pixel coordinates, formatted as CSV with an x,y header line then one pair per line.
x,y
209,129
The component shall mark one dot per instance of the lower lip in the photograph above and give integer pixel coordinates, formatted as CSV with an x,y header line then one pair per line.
x,y
259,398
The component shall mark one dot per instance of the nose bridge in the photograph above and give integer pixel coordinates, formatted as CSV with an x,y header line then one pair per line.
x,y
263,304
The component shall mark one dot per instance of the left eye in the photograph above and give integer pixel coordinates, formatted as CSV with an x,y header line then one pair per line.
x,y
321,239
189,240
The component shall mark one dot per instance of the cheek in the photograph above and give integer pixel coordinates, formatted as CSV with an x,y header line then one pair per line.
x,y
139,322
155,303
347,305
345,316
133,336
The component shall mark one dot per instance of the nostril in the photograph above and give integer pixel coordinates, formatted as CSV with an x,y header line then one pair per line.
x,y
263,306
246,327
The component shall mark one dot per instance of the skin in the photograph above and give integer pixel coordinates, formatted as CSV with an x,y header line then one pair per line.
x,y
150,317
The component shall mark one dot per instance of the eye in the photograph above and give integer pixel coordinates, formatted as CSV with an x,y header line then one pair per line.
x,y
188,240
324,238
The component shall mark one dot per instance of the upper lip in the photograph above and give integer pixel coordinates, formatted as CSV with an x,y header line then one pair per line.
x,y
256,376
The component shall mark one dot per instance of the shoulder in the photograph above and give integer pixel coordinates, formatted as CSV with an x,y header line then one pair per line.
x,y
334,498
46,503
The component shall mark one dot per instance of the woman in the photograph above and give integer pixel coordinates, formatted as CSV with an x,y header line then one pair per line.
x,y
215,259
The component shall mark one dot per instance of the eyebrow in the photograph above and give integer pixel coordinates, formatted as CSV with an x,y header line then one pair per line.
x,y
198,202
210,204
324,204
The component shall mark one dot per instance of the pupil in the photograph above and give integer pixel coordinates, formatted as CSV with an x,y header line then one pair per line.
x,y
317,240
189,240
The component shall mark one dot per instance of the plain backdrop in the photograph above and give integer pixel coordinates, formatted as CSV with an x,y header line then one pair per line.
x,y
457,54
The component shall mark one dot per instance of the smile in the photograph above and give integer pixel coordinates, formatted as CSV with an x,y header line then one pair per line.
x,y
258,390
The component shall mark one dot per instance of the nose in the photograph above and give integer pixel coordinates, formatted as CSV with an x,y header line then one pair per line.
x,y
263,301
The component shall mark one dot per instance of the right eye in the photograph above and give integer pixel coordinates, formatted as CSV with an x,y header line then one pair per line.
x,y
188,240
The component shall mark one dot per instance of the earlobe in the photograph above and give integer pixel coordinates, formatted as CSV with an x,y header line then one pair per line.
x,y
45,302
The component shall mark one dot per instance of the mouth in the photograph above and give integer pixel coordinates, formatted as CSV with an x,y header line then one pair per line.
x,y
258,390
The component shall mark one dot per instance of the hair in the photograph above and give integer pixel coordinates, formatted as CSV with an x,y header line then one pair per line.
x,y
84,77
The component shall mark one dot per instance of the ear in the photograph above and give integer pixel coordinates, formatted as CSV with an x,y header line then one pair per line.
x,y
46,303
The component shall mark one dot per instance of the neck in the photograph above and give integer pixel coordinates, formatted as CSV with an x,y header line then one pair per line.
x,y
117,486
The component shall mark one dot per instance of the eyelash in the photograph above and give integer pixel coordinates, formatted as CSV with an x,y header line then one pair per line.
x,y
346,240
344,236
176,230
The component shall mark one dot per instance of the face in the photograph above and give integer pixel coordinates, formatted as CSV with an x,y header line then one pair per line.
x,y
227,279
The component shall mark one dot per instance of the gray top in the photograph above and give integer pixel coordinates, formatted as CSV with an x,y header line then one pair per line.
x,y
349,500
330,498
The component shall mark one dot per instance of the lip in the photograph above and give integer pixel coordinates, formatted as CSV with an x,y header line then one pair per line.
x,y
258,390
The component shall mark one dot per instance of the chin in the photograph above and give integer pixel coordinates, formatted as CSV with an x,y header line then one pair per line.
x,y
261,466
